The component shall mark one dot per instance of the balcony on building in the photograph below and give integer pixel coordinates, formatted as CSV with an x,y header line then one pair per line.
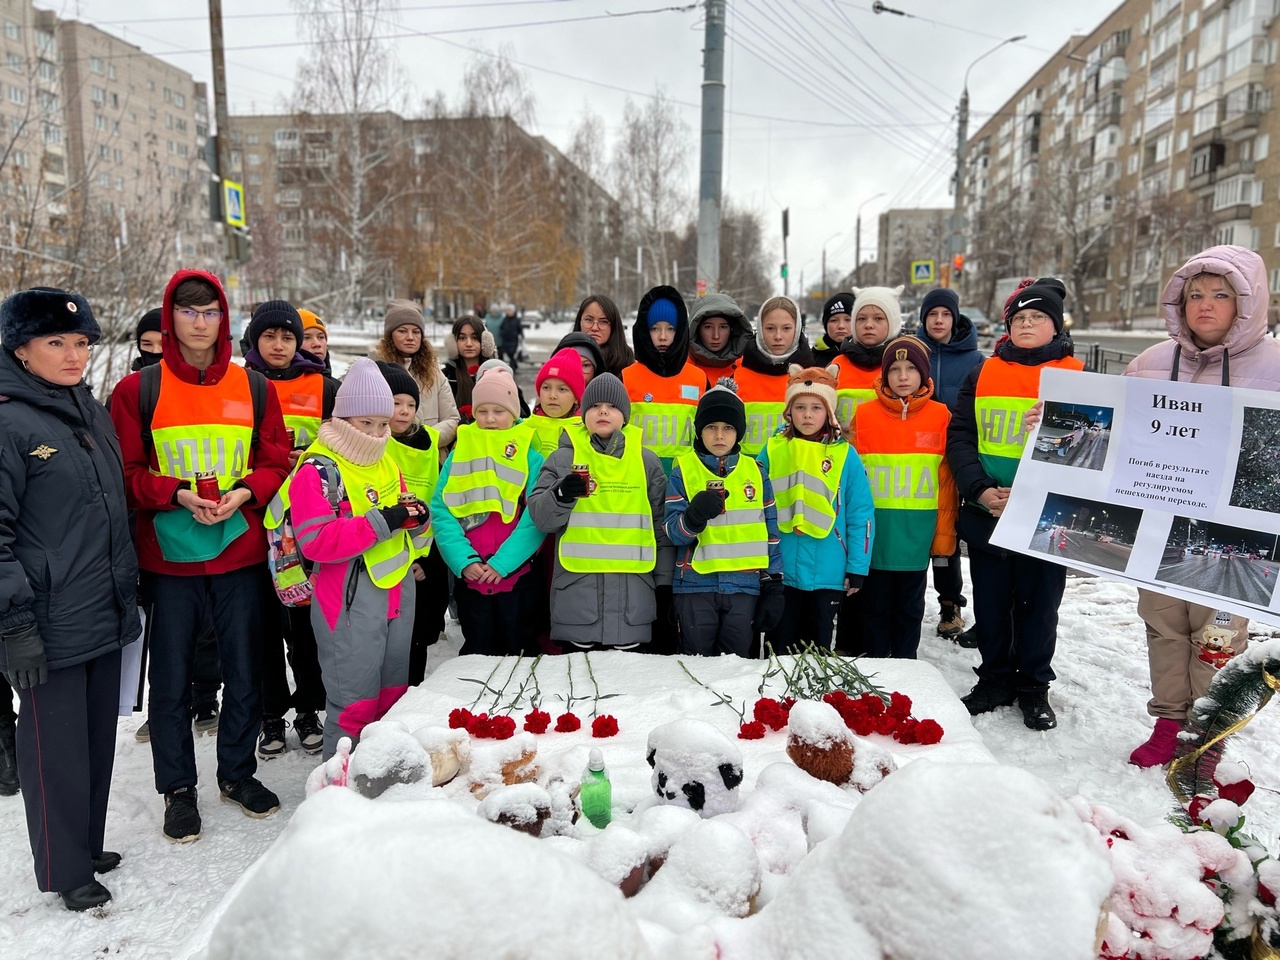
x,y
1206,160
1244,109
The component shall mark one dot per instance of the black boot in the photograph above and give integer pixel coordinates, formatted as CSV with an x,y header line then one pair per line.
x,y
92,894
969,638
1036,711
8,760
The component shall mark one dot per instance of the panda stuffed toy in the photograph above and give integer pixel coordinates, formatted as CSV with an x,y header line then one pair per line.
x,y
695,766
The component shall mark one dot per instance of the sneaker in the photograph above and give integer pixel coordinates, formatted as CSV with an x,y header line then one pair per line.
x,y
143,733
204,721
1036,712
310,732
968,639
251,796
987,695
272,743
1160,747
181,816
950,622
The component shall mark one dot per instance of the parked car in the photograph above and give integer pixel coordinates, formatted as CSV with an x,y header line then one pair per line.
x,y
1060,431
981,324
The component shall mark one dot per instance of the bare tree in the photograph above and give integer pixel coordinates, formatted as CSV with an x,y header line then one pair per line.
x,y
745,274
595,224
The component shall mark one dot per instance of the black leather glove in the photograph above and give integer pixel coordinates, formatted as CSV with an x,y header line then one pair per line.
x,y
704,506
570,488
395,516
24,654
769,606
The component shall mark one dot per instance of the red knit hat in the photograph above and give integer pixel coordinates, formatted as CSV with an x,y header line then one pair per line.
x,y
564,365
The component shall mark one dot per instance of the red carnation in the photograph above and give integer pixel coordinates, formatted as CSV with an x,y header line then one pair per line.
x,y
501,728
899,705
478,725
928,732
604,726
788,703
872,704
537,721
836,698
751,731
906,731
459,719
771,713
885,724
567,723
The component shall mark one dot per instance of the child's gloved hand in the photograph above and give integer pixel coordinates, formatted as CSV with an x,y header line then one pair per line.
x,y
570,488
395,516
704,506
769,606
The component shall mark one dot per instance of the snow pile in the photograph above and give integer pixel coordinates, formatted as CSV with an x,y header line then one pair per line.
x,y
387,761
695,766
620,856
524,806
407,880
711,872
818,723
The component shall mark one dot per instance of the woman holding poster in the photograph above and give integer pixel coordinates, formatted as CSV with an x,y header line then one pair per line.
x,y
1215,307
1015,597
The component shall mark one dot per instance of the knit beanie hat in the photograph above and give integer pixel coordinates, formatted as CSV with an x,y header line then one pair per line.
x,y
814,381
941,297
1046,295
363,392
606,388
400,312
720,404
398,380
149,322
662,310
840,303
886,299
310,320
496,385
906,348
45,312
564,365
271,315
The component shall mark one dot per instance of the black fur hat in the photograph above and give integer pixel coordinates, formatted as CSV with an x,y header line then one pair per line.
x,y
45,312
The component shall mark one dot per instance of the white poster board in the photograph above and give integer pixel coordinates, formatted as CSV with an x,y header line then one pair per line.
x,y
1167,485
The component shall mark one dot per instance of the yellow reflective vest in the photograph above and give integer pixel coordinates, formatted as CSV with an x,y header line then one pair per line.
x,y
547,432
806,480
421,472
611,530
738,539
489,471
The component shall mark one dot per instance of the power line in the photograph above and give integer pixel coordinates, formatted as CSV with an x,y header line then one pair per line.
x,y
415,9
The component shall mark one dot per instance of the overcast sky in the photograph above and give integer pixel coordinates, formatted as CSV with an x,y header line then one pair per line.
x,y
829,103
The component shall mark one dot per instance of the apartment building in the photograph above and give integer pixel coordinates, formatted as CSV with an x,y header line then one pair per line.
x,y
909,234
1129,149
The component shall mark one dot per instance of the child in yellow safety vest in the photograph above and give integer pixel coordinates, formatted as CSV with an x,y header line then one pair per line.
x,y
601,493
902,439
482,527
415,448
363,598
720,515
559,385
825,513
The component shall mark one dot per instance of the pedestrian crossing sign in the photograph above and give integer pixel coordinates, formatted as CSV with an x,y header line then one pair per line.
x,y
233,203
922,271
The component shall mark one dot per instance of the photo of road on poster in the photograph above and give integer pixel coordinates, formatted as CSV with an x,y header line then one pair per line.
x,y
1168,485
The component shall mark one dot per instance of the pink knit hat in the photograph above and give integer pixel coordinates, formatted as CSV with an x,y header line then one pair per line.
x,y
497,386
364,392
564,365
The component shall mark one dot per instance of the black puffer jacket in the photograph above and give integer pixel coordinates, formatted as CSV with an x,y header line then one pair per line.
x,y
66,558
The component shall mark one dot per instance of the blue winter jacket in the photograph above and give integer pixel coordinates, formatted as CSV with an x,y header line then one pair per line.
x,y
812,564
950,361
688,580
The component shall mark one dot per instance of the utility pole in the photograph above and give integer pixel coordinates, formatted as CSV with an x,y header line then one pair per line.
x,y
224,125
962,145
712,149
786,231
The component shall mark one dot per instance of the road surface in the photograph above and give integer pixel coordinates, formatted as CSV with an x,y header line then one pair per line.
x,y
1252,581
1089,453
1113,556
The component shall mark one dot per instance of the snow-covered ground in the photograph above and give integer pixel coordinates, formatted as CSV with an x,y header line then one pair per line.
x,y
164,892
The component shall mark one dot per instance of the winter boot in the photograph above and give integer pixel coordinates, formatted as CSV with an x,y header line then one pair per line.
x,y
968,639
92,894
1037,714
1160,747
987,695
950,620
8,760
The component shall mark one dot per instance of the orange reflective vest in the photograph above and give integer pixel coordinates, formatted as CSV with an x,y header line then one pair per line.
x,y
663,407
765,399
713,374
204,428
1004,393
854,386
302,403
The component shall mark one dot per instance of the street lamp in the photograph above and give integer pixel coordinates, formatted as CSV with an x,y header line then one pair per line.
x,y
857,242
962,145
838,233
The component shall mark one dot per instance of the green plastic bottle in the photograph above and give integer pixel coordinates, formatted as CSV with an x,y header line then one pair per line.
x,y
596,794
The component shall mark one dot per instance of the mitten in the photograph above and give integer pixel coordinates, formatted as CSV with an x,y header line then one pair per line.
x,y
24,654
769,606
395,516
704,506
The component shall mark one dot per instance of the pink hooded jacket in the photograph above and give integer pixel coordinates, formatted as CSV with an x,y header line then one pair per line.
x,y
1249,356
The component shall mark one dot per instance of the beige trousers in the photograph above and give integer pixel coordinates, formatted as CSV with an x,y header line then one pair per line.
x,y
1186,646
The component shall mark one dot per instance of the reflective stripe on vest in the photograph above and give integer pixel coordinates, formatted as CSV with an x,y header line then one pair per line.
x,y
302,404
204,429
421,472
765,400
365,489
610,531
1004,393
547,432
663,408
489,471
738,539
903,481
806,480
902,457
854,387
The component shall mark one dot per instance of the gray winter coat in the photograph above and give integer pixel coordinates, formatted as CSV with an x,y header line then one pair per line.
x,y
66,556
608,608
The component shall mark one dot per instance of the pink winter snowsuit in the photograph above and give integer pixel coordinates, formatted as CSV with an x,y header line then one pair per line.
x,y
361,637
1184,658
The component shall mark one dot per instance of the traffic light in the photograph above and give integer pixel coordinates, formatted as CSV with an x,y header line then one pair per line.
x,y
957,265
784,270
